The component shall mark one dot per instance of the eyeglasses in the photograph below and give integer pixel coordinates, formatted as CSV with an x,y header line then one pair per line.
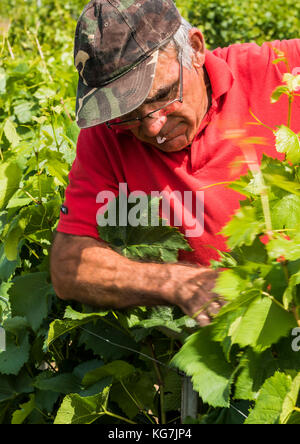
x,y
166,109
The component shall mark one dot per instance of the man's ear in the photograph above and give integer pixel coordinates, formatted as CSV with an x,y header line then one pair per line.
x,y
198,44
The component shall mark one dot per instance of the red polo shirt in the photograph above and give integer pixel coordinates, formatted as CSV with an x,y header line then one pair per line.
x,y
242,78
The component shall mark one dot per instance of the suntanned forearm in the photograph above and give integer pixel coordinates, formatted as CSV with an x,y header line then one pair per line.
x,y
88,271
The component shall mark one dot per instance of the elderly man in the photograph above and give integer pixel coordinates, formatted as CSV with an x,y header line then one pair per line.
x,y
154,107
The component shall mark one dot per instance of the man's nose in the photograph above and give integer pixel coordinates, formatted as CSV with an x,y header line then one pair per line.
x,y
153,125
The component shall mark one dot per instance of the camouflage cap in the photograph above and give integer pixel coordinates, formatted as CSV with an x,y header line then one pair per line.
x,y
116,51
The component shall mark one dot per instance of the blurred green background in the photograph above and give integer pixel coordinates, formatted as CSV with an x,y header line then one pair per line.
x,y
222,21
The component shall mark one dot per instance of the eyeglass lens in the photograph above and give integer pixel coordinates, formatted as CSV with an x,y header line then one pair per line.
x,y
168,109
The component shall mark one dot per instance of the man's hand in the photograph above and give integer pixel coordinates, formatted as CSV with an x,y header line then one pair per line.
x,y
194,293
88,271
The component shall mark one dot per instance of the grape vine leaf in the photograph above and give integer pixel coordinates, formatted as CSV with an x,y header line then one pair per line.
x,y
243,228
204,361
29,297
72,132
64,383
11,387
276,400
160,243
136,394
82,410
290,291
280,181
229,284
7,267
256,367
15,233
286,213
282,89
72,320
118,369
10,176
288,142
165,319
15,355
82,369
107,341
255,324
287,248
23,111
21,414
15,324
11,133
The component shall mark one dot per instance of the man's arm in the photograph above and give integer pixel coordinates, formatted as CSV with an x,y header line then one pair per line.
x,y
88,271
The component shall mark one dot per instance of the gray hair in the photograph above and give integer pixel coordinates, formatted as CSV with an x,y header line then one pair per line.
x,y
181,43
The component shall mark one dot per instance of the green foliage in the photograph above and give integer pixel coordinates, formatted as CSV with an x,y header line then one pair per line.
x,y
72,364
203,359
224,22
277,400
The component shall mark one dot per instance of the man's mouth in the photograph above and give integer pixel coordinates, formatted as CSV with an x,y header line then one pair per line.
x,y
160,139
169,137
171,134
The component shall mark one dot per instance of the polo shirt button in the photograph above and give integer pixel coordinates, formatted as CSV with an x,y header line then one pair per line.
x,y
64,209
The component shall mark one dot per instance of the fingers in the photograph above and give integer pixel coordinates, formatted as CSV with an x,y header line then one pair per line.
x,y
195,295
203,319
214,308
205,315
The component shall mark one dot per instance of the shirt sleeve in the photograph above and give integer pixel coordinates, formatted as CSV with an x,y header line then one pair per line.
x,y
257,76
252,59
291,48
91,173
261,61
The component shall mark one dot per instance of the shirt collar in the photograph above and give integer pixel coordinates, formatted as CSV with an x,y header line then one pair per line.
x,y
220,75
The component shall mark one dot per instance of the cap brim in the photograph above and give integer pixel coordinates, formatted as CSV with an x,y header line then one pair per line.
x,y
98,105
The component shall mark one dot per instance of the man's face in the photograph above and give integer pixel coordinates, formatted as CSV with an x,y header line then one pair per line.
x,y
179,127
